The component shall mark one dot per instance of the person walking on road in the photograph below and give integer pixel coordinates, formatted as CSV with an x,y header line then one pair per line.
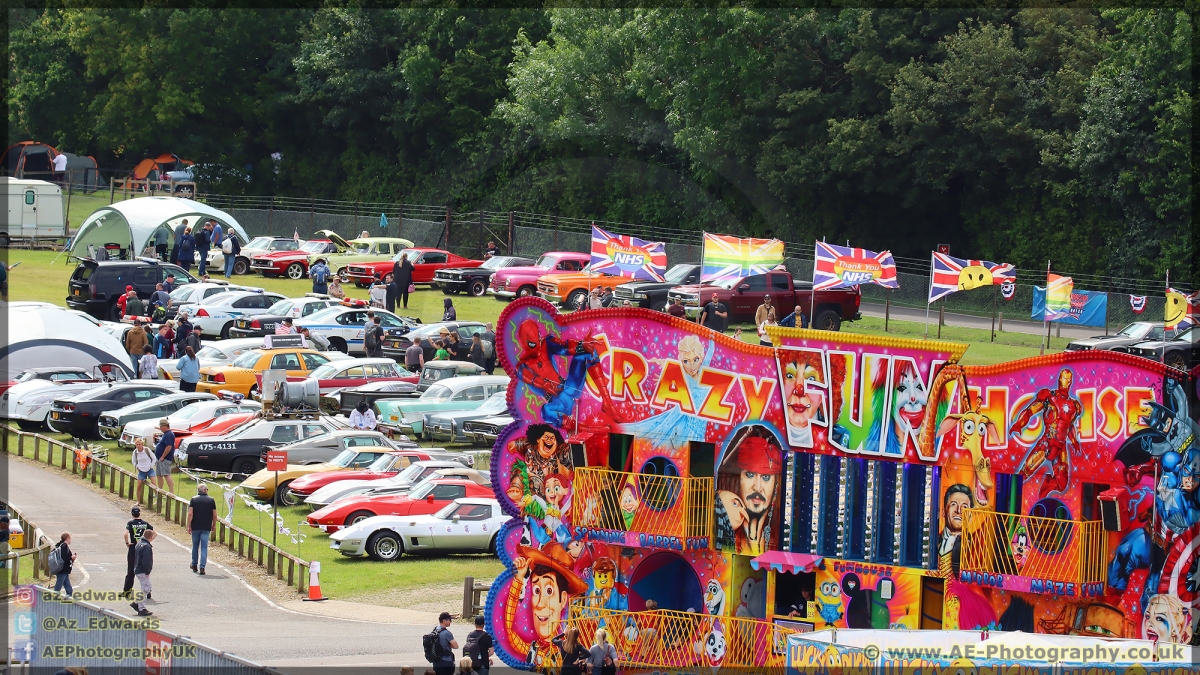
x,y
164,451
134,530
202,520
389,282
189,370
193,338
445,665
376,344
144,462
164,348
143,565
62,578
479,647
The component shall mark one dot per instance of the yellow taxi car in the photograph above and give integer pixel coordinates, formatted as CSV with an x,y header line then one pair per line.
x,y
239,375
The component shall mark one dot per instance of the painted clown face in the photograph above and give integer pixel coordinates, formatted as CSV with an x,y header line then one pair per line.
x,y
803,404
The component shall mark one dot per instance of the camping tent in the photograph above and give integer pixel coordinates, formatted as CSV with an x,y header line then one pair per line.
x,y
28,159
159,165
41,336
132,223
82,172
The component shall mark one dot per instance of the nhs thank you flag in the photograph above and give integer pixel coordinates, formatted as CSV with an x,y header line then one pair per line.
x,y
839,266
732,258
625,256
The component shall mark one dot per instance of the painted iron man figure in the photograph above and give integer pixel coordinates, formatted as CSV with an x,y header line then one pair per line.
x,y
1059,414
535,367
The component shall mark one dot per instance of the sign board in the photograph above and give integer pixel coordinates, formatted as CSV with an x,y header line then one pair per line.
x,y
944,249
277,460
294,340
158,653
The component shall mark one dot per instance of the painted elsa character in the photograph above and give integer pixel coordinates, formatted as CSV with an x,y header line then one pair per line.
x,y
673,427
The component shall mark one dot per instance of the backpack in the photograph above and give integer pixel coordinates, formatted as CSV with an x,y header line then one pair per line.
x,y
56,560
471,648
488,350
227,246
319,273
432,645
369,341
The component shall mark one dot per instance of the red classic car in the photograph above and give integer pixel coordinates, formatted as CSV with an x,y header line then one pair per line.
x,y
518,282
429,496
425,262
292,264
385,467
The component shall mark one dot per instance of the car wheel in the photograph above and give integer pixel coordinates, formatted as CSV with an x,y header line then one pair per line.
x,y
225,330
295,271
253,390
244,465
27,425
827,320
525,291
343,275
114,312
492,544
576,300
241,266
338,344
284,496
358,517
385,546
448,291
477,288
1176,360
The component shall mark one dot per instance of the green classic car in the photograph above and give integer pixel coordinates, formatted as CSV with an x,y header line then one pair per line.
x,y
112,422
365,249
407,416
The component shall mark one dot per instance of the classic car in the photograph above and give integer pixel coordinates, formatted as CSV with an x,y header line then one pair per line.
x,y
49,374
343,324
430,496
362,250
437,371
456,393
1122,340
257,246
474,280
241,374
189,419
78,413
240,450
571,290
518,282
213,353
261,484
215,314
484,432
388,465
317,449
401,482
465,525
425,261
350,373
186,297
1181,353
221,426
258,325
397,340
448,426
111,423
348,399
292,264
28,403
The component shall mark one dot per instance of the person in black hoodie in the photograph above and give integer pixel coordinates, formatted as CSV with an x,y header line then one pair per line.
x,y
402,276
143,564
203,239
62,579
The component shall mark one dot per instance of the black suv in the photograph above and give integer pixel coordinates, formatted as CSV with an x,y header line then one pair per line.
x,y
653,294
96,285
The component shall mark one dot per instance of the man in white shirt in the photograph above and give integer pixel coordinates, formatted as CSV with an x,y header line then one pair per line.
x,y
60,167
362,417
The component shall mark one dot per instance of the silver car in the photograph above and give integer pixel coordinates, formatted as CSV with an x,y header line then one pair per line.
x,y
448,426
1138,331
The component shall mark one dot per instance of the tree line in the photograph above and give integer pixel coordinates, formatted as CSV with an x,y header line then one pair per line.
x,y
1021,135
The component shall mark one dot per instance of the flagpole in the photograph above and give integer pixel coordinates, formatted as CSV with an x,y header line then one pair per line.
x,y
1045,306
1163,359
703,253
927,296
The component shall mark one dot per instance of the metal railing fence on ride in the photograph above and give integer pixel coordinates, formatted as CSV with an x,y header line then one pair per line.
x,y
1030,546
673,639
650,504
32,562
119,481
70,632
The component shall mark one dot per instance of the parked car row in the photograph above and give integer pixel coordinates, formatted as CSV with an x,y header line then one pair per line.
x,y
1149,340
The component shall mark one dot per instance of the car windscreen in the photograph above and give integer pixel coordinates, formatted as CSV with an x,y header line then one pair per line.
x,y
361,246
438,392
280,308
324,316
409,474
495,405
344,458
182,293
493,263
382,463
1135,330
210,352
413,255
313,246
325,372
1189,335
247,360
259,242
678,273
421,489
184,414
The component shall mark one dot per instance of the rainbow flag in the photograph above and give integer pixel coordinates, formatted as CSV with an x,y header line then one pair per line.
x,y
728,257
1058,296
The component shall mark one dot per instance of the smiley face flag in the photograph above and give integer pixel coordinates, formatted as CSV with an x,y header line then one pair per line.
x,y
1182,310
952,274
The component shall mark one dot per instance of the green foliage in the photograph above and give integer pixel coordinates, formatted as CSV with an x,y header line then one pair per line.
x,y
1015,134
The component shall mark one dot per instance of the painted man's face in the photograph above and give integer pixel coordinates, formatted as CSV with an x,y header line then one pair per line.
x,y
547,603
758,489
955,505
547,445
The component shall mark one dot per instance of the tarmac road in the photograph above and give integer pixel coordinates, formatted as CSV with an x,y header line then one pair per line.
x,y
220,609
1011,325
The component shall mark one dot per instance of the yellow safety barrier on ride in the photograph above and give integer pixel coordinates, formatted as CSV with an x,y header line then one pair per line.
x,y
644,503
1029,546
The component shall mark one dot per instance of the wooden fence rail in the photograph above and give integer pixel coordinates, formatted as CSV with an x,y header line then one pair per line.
x,y
31,563
121,482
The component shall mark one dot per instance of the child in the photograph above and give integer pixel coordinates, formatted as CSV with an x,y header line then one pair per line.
x,y
148,364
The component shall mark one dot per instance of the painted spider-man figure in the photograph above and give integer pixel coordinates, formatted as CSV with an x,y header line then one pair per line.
x,y
1059,413
535,367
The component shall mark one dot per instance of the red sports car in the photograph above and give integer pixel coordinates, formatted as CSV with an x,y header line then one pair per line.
x,y
429,496
425,262
385,467
292,264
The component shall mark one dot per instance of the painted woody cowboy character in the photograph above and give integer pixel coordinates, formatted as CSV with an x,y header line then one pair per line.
x,y
546,579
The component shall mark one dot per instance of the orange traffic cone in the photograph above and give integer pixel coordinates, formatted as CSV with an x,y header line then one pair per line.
x,y
314,583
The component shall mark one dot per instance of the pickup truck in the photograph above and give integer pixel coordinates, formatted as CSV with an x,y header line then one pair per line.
x,y
519,282
653,294
743,296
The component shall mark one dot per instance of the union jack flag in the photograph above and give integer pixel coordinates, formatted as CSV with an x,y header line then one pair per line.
x,y
955,274
626,256
839,266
